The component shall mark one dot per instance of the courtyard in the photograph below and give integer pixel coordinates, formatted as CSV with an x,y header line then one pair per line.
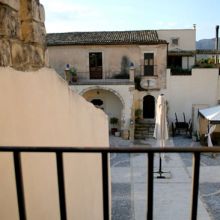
x,y
172,194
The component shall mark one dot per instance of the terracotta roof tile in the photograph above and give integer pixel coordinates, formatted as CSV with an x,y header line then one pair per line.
x,y
105,37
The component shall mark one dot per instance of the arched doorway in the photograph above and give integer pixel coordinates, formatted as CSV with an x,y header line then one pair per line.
x,y
106,100
149,107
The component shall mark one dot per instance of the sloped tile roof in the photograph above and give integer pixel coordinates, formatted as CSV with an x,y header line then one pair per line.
x,y
104,38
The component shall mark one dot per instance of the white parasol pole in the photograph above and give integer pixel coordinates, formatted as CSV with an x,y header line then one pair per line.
x,y
161,129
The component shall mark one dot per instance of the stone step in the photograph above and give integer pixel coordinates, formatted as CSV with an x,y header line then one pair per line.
x,y
144,126
145,121
144,129
142,136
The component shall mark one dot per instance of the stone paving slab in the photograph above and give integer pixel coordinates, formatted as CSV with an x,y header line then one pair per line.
x,y
210,194
172,196
209,174
121,175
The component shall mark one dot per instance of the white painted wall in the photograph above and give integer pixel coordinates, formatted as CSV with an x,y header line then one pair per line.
x,y
78,56
39,109
187,38
201,88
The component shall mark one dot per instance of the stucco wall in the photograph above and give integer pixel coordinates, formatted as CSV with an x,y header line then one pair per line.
x,y
78,56
201,88
187,38
39,109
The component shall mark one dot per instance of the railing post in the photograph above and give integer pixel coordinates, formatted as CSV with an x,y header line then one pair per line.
x,y
195,185
61,185
105,186
150,186
19,185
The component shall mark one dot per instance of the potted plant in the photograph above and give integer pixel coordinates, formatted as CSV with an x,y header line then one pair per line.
x,y
113,122
138,114
73,74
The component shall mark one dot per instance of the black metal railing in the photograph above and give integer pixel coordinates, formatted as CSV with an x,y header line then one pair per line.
x,y
105,78
196,151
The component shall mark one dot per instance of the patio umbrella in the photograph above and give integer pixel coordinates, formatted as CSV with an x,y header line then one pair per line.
x,y
161,127
211,129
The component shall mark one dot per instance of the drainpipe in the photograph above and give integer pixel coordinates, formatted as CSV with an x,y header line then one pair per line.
x,y
167,53
217,31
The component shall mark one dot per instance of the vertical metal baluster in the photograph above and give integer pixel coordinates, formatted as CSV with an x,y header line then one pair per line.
x,y
19,185
150,186
105,186
61,185
195,185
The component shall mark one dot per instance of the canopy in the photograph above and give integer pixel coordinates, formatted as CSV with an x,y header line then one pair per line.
x,y
212,114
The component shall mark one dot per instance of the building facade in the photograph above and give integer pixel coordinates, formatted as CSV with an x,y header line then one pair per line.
x,y
124,72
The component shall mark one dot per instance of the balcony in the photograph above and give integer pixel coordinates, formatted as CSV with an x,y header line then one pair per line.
x,y
105,152
83,78
149,80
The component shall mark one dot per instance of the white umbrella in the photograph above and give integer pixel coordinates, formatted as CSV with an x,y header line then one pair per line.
x,y
161,128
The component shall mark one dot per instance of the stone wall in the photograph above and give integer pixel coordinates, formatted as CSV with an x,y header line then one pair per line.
x,y
22,34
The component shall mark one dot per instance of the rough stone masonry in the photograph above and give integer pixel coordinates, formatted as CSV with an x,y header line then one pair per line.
x,y
22,34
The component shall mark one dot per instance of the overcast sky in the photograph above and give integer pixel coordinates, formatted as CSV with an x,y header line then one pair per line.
x,y
113,15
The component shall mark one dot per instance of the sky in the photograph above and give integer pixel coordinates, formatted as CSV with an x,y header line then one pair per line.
x,y
121,15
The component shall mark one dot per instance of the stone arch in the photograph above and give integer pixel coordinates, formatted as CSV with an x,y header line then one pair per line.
x,y
111,91
104,88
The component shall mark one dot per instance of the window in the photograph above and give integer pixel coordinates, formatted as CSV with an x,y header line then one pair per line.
x,y
174,41
98,103
148,64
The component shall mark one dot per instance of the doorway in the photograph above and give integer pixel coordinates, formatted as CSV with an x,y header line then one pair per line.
x,y
149,107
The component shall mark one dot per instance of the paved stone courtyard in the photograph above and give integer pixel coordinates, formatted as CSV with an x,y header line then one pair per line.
x,y
172,195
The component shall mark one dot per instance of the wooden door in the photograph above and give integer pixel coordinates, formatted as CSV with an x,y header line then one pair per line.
x,y
95,65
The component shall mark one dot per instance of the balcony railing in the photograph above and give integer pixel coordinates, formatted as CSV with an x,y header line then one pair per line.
x,y
196,151
107,78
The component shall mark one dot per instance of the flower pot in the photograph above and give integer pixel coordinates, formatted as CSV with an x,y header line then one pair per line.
x,y
194,138
117,133
113,130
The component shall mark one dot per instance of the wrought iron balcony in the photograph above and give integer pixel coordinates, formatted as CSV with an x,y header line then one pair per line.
x,y
83,78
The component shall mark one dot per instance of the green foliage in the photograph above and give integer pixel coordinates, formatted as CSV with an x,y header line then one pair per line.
x,y
121,76
205,63
73,71
180,71
113,120
138,113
